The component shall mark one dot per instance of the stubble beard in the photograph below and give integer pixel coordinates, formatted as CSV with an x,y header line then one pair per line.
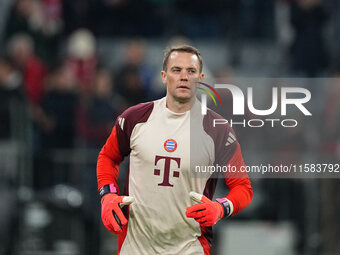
x,y
185,100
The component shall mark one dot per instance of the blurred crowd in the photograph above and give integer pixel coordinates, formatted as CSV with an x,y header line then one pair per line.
x,y
51,67
50,58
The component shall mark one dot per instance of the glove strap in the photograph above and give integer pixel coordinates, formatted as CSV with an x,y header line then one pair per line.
x,y
109,188
226,206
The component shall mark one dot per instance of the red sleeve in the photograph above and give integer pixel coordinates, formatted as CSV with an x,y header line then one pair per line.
x,y
108,161
241,192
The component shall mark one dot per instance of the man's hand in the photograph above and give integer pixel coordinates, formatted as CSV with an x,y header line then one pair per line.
x,y
112,216
207,212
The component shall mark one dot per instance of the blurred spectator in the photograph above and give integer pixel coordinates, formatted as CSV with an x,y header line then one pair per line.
x,y
96,116
52,12
10,94
51,30
21,51
131,86
204,14
42,21
140,18
55,119
110,14
57,113
330,152
95,119
22,19
331,120
77,14
81,59
257,19
10,78
5,6
135,53
134,78
308,51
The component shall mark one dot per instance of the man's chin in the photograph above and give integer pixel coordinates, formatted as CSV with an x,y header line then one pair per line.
x,y
184,99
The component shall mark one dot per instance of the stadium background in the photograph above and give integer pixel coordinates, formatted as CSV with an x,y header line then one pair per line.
x,y
69,67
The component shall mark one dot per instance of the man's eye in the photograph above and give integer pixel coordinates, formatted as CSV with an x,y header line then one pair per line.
x,y
192,71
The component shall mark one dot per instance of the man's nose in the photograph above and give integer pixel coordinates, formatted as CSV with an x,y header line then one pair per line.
x,y
184,75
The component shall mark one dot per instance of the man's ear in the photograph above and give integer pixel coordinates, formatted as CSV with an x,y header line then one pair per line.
x,y
202,75
163,76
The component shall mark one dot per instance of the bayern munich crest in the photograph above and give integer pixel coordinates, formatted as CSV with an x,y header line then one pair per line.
x,y
170,145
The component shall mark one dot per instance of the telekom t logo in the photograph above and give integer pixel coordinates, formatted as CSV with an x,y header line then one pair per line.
x,y
238,100
166,175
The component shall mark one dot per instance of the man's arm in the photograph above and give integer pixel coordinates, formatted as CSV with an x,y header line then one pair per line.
x,y
115,149
117,145
108,162
241,192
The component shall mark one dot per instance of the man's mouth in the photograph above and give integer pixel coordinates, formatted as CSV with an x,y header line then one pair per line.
x,y
183,87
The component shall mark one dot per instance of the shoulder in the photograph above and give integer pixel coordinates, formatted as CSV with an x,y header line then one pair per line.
x,y
138,112
217,126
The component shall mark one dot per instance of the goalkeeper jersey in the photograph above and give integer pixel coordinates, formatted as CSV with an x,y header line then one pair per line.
x,y
167,150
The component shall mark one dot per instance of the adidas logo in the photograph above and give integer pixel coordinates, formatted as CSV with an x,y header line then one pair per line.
x,y
230,139
121,122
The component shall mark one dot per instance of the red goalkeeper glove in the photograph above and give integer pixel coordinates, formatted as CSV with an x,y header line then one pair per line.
x,y
207,212
112,215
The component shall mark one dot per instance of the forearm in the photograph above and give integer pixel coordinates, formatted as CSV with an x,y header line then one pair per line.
x,y
241,194
107,171
108,162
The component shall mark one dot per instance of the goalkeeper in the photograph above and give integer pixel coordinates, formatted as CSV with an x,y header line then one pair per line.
x,y
167,211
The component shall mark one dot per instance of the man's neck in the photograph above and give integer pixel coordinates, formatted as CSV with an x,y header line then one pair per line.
x,y
178,106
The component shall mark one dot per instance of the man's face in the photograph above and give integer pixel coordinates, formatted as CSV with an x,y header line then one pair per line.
x,y
182,68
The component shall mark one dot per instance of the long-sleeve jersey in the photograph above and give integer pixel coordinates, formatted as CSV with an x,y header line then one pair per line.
x,y
166,149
